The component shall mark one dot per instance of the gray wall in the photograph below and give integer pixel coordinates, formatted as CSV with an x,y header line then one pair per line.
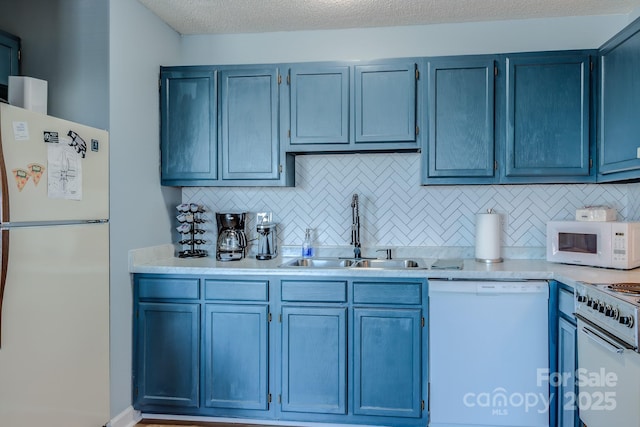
x,y
101,60
585,32
66,43
141,210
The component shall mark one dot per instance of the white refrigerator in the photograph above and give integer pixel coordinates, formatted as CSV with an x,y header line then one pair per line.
x,y
54,275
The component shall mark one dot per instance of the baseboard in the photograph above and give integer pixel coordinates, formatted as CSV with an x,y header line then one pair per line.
x,y
127,418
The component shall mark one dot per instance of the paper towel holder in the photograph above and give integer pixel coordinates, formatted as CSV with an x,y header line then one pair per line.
x,y
488,260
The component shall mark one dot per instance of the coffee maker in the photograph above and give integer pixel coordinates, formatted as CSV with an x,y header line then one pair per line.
x,y
232,240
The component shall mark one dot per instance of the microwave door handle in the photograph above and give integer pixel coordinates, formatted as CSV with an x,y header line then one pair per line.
x,y
602,342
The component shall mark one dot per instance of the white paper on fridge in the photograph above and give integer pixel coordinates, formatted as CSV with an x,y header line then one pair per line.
x,y
64,172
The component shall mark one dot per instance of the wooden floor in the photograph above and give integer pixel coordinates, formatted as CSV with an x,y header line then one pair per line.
x,y
164,423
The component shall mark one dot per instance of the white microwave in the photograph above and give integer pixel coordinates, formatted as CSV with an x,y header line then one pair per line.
x,y
599,244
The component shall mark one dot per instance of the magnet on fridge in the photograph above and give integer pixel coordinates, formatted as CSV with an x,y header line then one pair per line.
x,y
78,143
21,176
51,137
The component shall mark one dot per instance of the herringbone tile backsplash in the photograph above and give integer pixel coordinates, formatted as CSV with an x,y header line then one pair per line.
x,y
396,211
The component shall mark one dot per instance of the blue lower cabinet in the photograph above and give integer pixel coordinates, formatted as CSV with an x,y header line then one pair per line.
x,y
236,356
167,353
567,365
314,356
387,362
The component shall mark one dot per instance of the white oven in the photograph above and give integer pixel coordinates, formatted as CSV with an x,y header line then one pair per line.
x,y
608,380
608,374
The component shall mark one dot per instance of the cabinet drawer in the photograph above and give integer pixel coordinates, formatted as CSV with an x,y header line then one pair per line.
x,y
245,290
565,302
168,288
387,293
314,291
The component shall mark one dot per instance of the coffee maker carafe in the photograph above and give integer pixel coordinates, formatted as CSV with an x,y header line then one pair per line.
x,y
232,240
266,237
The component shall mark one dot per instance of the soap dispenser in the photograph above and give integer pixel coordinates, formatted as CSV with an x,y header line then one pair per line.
x,y
307,245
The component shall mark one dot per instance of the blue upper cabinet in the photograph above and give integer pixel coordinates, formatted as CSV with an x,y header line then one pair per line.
x,y
619,127
548,118
188,132
249,136
9,60
219,127
460,111
385,102
343,107
518,118
319,104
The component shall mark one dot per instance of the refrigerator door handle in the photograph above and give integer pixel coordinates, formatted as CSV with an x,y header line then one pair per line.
x,y
4,260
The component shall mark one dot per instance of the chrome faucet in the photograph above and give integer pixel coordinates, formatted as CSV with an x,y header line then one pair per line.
x,y
355,227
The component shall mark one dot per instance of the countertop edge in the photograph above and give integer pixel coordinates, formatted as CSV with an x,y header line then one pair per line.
x,y
161,260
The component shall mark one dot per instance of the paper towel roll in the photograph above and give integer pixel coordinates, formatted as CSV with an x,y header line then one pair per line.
x,y
488,237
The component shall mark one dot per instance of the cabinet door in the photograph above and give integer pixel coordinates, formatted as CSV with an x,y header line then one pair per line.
x,y
548,101
188,132
567,365
236,356
387,361
385,103
319,105
249,124
461,104
9,61
314,360
620,105
167,355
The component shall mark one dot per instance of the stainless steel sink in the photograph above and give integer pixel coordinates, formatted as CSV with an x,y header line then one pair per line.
x,y
318,263
387,263
353,263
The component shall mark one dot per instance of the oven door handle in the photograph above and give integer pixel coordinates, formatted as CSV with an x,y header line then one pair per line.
x,y
603,342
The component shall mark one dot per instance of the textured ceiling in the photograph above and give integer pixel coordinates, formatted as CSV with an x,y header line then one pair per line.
x,y
257,16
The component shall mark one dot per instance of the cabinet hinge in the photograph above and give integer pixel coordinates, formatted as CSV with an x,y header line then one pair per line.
x,y
288,79
289,134
279,78
19,54
280,318
495,165
417,130
590,65
423,405
269,397
269,317
417,74
279,168
495,70
590,163
423,322
279,398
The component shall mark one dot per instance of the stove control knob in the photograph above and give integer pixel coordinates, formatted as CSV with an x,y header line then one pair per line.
x,y
581,298
601,307
608,311
590,302
595,304
627,321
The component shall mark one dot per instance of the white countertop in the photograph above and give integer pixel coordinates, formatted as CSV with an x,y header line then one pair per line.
x,y
161,260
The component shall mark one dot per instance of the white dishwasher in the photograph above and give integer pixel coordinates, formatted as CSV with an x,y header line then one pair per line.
x,y
488,353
